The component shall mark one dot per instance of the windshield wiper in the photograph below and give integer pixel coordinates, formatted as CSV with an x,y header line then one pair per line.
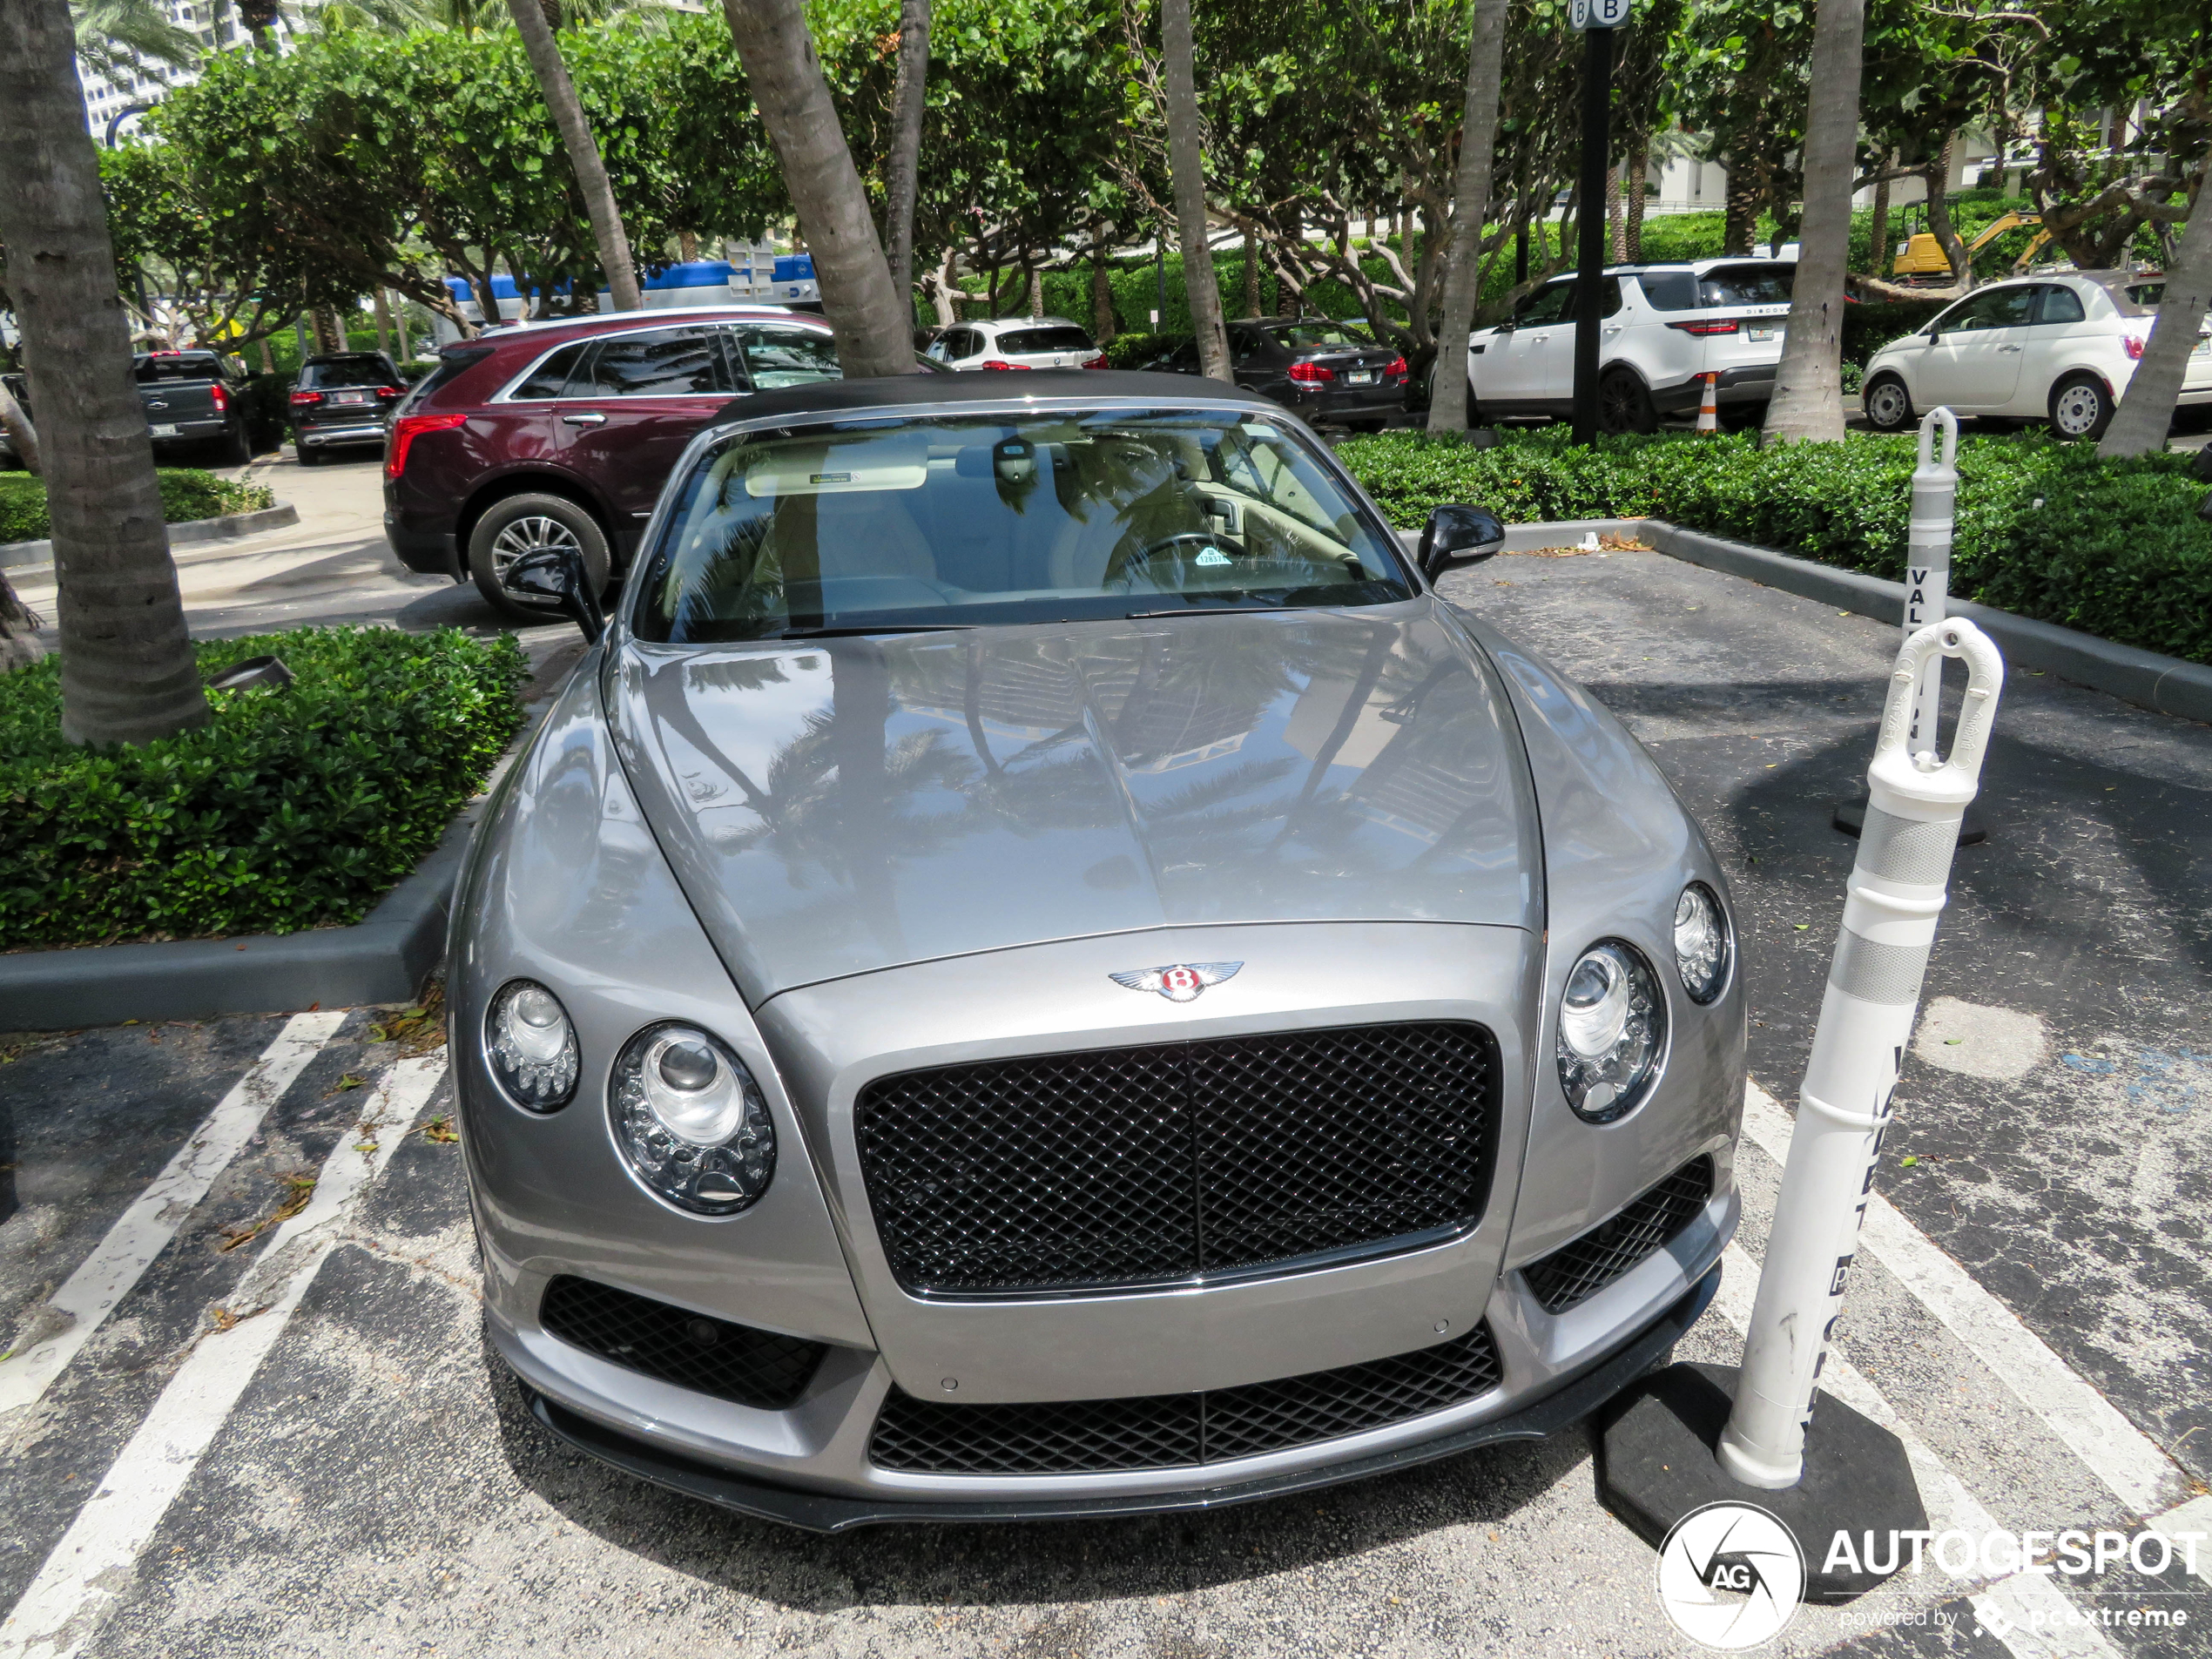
x,y
860,630
1208,611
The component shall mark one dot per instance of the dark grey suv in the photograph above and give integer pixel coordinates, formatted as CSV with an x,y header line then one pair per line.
x,y
343,399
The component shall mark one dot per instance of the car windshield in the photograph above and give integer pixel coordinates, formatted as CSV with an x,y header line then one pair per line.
x,y
1297,334
1069,338
349,371
950,521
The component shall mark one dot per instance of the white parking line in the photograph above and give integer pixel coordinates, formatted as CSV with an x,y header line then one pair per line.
x,y
2028,1612
93,1564
143,1231
2119,1453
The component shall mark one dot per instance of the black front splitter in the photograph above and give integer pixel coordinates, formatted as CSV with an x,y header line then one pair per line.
x,y
829,1513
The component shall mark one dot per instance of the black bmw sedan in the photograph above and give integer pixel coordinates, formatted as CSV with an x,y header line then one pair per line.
x,y
1330,374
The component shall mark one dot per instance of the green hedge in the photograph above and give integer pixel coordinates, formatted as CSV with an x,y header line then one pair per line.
x,y
2115,548
186,494
294,808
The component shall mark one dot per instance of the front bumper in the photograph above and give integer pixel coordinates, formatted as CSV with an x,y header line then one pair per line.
x,y
828,1513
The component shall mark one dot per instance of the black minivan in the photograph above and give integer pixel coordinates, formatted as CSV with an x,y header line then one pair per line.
x,y
342,399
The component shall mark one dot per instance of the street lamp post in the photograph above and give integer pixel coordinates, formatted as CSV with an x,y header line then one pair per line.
x,y
1597,19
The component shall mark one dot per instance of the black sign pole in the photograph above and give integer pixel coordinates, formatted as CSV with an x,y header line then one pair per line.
x,y
1597,99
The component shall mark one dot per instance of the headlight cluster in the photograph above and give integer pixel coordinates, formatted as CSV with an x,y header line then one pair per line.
x,y
691,1122
1612,1031
686,1114
531,1046
1613,1012
1701,942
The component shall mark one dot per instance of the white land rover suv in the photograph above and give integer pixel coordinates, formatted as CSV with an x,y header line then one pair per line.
x,y
1664,327
1017,342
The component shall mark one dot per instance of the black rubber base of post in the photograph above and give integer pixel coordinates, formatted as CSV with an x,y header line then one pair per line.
x,y
1656,1464
1851,817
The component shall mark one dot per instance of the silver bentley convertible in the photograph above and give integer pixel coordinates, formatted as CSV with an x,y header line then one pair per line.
x,y
1038,968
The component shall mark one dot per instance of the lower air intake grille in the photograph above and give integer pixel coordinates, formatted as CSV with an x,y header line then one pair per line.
x,y
1173,1430
676,1345
1576,1272
1172,1161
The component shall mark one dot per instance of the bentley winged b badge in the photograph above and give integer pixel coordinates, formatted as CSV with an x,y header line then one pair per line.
x,y
1179,982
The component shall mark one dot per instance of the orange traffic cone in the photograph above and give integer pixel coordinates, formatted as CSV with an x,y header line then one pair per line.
x,y
1709,412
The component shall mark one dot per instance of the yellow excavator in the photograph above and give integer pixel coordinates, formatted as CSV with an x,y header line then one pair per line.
x,y
1920,262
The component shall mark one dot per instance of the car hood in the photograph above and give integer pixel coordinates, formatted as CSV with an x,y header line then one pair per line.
x,y
835,808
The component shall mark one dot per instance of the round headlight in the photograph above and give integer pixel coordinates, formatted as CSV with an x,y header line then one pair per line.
x,y
1701,942
531,1046
691,1122
1612,1029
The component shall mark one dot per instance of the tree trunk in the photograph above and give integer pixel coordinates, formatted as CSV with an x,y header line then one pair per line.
x,y
908,102
19,643
1252,275
1101,286
873,321
15,423
330,336
1447,404
1808,401
1036,290
1878,229
128,674
1639,168
1740,207
383,321
1937,182
1187,163
1617,226
2147,407
687,247
566,110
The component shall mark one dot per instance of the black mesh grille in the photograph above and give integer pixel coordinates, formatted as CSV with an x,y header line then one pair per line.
x,y
1576,1272
1172,1431
1123,1166
710,1356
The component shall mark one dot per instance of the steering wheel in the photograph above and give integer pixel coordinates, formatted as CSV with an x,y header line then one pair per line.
x,y
1201,538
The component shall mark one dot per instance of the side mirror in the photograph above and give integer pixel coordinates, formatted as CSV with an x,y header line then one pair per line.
x,y
1459,534
554,577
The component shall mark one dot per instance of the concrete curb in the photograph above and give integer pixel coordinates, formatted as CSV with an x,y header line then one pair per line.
x,y
383,958
25,555
2166,685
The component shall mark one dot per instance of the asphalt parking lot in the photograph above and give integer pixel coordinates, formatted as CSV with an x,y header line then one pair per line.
x,y
284,1435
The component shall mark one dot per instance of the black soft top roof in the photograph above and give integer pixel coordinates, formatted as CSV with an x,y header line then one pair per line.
x,y
826,400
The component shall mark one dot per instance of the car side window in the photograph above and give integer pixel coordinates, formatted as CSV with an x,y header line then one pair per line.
x,y
1669,290
552,376
2058,305
778,354
1244,345
1546,306
1998,308
666,362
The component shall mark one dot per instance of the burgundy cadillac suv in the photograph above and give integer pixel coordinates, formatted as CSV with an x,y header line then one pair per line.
x,y
561,434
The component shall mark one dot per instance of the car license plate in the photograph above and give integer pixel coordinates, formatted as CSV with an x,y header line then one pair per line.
x,y
349,397
1764,331
1360,377
165,431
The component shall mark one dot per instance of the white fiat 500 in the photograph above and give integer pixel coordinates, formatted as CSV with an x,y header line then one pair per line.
x,y
2060,348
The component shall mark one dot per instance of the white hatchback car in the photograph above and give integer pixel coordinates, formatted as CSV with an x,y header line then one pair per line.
x,y
2060,348
1017,342
1664,328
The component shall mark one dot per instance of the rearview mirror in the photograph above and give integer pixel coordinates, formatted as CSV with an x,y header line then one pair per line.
x,y
554,577
1459,534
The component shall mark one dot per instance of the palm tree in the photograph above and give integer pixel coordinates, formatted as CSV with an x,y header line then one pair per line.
x,y
117,39
874,323
907,101
1187,166
1448,403
583,152
2147,407
128,674
1808,383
